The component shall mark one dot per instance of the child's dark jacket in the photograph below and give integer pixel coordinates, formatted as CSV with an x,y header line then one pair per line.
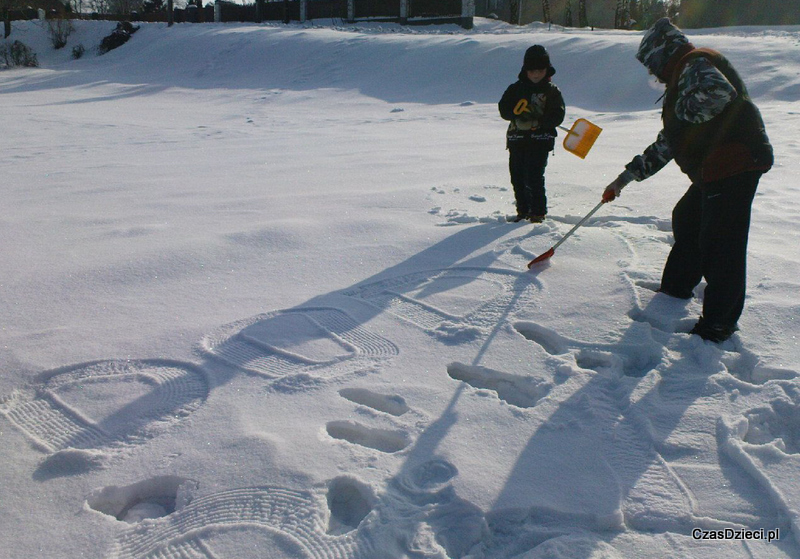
x,y
534,111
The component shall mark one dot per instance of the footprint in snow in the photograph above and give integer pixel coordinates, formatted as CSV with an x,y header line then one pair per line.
x,y
635,357
287,523
349,502
421,511
83,415
748,367
662,312
393,405
672,315
298,340
451,304
764,442
383,440
153,498
519,391
777,425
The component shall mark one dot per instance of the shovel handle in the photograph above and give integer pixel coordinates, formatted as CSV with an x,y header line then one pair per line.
x,y
581,222
544,256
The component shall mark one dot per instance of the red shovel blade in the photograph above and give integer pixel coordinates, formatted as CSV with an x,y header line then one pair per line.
x,y
542,257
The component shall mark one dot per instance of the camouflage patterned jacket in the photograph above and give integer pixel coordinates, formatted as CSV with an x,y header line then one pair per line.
x,y
711,127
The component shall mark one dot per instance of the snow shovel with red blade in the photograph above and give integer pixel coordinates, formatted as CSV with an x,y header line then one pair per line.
x,y
546,255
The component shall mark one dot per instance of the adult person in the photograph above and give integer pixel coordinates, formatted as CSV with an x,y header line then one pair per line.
x,y
715,133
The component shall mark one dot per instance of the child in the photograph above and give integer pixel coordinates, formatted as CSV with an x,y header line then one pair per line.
x,y
535,107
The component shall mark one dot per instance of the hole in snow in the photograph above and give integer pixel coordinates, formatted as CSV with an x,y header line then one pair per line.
x,y
777,424
433,474
349,501
151,498
523,392
379,439
394,405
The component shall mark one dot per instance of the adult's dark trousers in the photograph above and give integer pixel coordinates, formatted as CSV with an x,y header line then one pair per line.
x,y
711,225
526,162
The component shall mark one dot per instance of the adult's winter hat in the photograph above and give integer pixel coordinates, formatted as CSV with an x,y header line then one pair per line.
x,y
537,58
659,44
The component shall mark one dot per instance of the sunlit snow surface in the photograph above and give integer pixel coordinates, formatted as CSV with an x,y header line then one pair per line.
x,y
260,300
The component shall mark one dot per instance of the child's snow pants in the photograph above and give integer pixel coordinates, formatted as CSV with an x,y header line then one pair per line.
x,y
526,163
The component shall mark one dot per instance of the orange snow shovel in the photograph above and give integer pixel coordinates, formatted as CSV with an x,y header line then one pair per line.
x,y
581,137
544,256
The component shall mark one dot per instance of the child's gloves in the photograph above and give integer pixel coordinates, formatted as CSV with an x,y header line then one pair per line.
x,y
526,122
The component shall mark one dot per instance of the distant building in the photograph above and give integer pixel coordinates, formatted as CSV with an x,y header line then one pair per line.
x,y
600,13
720,13
691,13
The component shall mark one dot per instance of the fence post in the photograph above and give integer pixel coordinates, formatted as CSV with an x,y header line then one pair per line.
x,y
467,13
41,14
351,10
170,13
217,12
303,12
403,12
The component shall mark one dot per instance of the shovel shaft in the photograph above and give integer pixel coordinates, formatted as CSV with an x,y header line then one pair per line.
x,y
581,222
546,255
568,131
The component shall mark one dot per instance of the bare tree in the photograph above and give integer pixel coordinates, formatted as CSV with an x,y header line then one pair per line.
x,y
673,8
568,14
651,11
6,7
99,6
77,5
636,12
583,21
622,15
514,9
546,11
125,7
59,29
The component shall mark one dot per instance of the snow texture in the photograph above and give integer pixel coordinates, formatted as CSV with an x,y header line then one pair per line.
x,y
260,299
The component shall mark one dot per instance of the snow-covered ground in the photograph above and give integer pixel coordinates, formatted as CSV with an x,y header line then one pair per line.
x,y
259,300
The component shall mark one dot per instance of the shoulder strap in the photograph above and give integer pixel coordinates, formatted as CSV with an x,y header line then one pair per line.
x,y
709,54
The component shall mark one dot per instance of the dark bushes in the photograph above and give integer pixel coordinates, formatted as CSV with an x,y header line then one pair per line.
x,y
17,54
118,37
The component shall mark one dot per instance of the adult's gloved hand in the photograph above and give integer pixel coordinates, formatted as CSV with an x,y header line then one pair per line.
x,y
613,190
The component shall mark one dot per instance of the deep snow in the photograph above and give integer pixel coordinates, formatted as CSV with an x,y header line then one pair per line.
x,y
259,299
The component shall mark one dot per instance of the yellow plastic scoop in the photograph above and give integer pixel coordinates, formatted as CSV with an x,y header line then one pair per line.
x,y
581,137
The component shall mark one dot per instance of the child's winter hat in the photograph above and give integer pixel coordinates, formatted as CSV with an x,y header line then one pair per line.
x,y
659,44
536,58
